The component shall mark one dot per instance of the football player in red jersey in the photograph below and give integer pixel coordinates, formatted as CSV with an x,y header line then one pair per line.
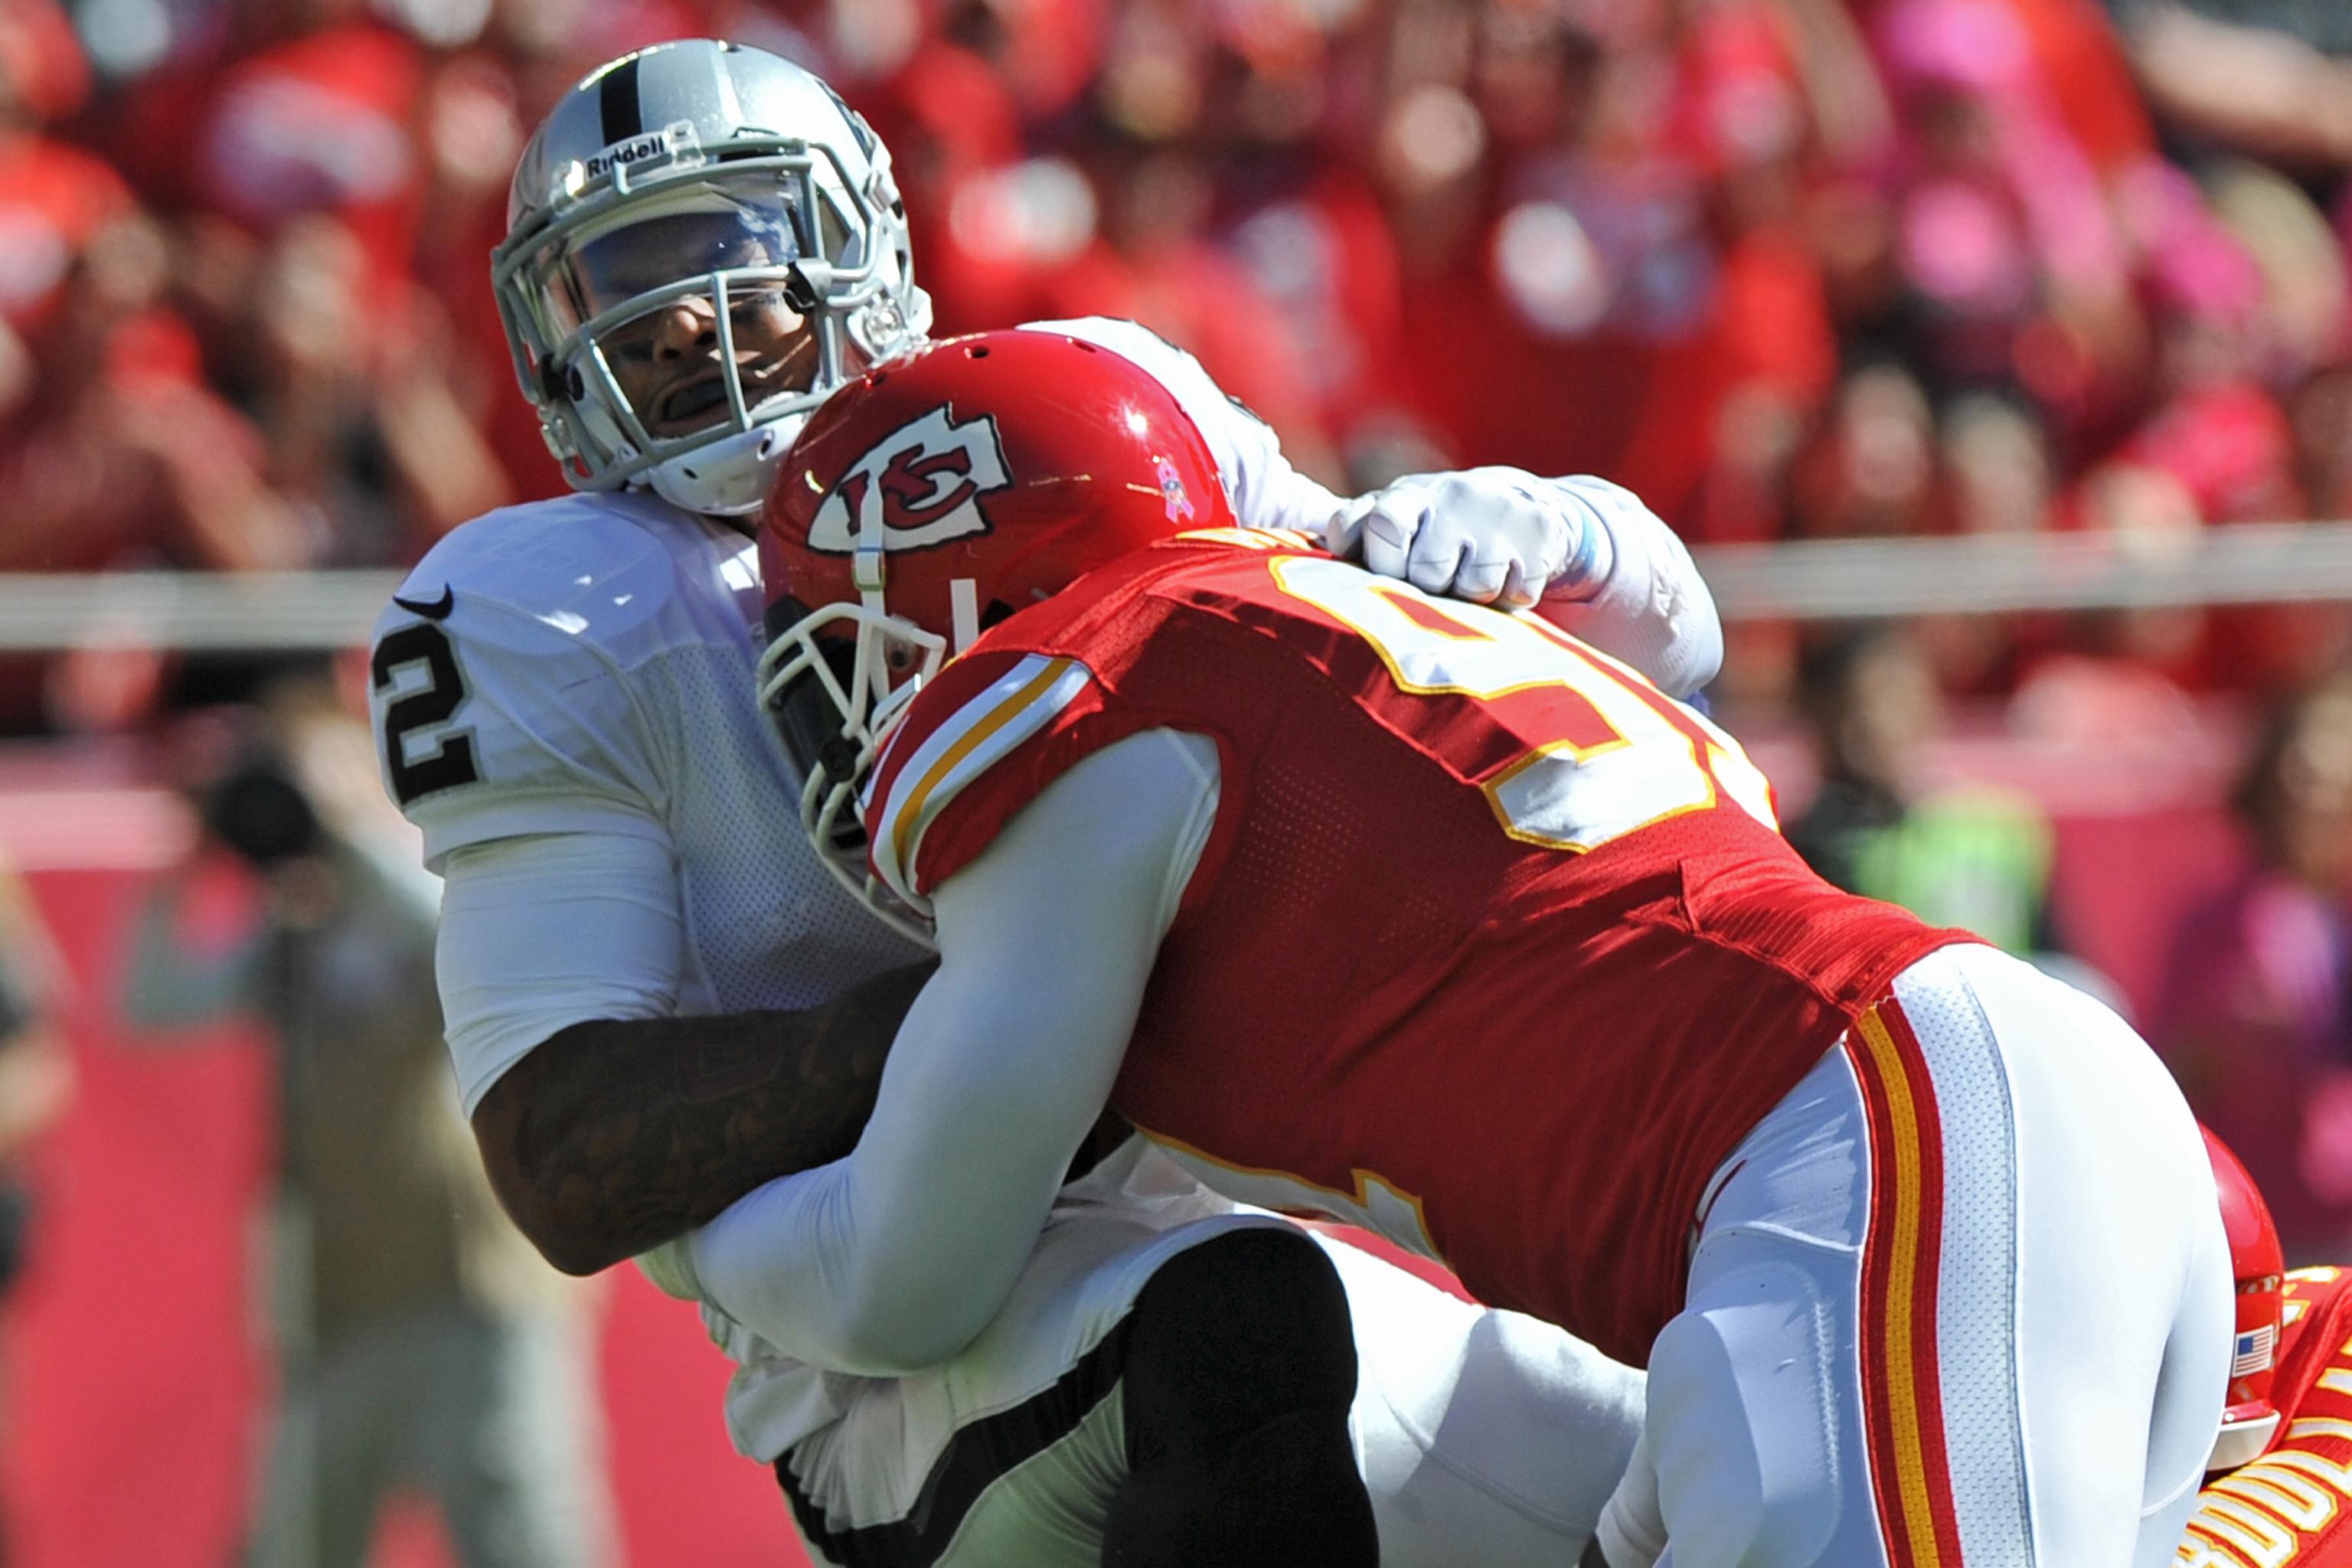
x,y
2283,1498
1905,1231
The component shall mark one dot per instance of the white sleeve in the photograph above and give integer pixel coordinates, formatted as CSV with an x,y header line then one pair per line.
x,y
1653,609
893,1259
492,722
542,931
1265,490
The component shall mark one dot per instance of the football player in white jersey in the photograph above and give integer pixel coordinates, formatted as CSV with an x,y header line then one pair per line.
x,y
658,998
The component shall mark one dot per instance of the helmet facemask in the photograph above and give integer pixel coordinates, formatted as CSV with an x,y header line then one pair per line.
x,y
837,680
976,479
772,268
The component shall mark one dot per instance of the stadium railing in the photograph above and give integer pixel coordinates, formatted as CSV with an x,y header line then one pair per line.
x,y
1811,580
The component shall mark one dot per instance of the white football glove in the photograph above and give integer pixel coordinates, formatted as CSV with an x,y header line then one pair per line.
x,y
1488,535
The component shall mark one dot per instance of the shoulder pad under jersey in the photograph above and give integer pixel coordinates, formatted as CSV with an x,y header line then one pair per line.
x,y
510,673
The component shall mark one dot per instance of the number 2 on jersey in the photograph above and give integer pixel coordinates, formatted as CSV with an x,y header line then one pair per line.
x,y
1624,755
451,762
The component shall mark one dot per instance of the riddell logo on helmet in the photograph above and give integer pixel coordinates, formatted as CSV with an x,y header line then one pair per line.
x,y
677,144
917,487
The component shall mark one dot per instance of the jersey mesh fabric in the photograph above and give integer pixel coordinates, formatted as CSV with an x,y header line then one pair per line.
x,y
767,925
1548,1053
2293,1507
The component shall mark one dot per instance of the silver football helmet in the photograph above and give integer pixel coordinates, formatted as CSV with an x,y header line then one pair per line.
x,y
702,242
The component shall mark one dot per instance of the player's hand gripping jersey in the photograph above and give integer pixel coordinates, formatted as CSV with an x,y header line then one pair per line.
x,y
1572,885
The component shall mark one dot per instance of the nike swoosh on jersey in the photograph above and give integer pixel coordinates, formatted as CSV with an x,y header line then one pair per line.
x,y
437,610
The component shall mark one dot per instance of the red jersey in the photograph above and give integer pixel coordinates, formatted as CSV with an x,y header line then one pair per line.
x,y
1493,948
2293,1507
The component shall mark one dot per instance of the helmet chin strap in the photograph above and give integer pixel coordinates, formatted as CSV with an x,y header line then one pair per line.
x,y
2241,1444
963,608
868,571
865,563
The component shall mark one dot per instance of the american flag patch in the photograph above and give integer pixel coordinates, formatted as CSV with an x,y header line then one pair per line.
x,y
2255,1347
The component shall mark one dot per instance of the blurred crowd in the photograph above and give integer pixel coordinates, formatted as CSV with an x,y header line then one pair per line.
x,y
1788,267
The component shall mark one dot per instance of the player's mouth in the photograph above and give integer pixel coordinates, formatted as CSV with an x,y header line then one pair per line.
x,y
683,407
689,405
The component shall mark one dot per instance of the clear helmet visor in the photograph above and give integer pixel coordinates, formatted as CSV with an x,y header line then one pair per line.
x,y
681,366
694,234
688,312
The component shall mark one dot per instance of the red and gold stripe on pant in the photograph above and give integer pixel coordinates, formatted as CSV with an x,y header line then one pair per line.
x,y
1902,1415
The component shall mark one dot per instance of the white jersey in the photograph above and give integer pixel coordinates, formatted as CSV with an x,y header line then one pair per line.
x,y
584,666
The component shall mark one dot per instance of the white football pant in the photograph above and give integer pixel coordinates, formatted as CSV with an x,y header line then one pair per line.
x,y
1961,1301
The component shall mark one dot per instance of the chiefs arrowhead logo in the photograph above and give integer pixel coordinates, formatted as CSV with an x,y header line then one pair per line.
x,y
918,486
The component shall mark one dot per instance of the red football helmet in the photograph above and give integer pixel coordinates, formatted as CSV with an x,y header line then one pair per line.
x,y
2250,1421
931,498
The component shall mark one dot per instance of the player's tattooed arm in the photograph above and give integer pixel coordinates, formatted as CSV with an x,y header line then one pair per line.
x,y
614,1136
